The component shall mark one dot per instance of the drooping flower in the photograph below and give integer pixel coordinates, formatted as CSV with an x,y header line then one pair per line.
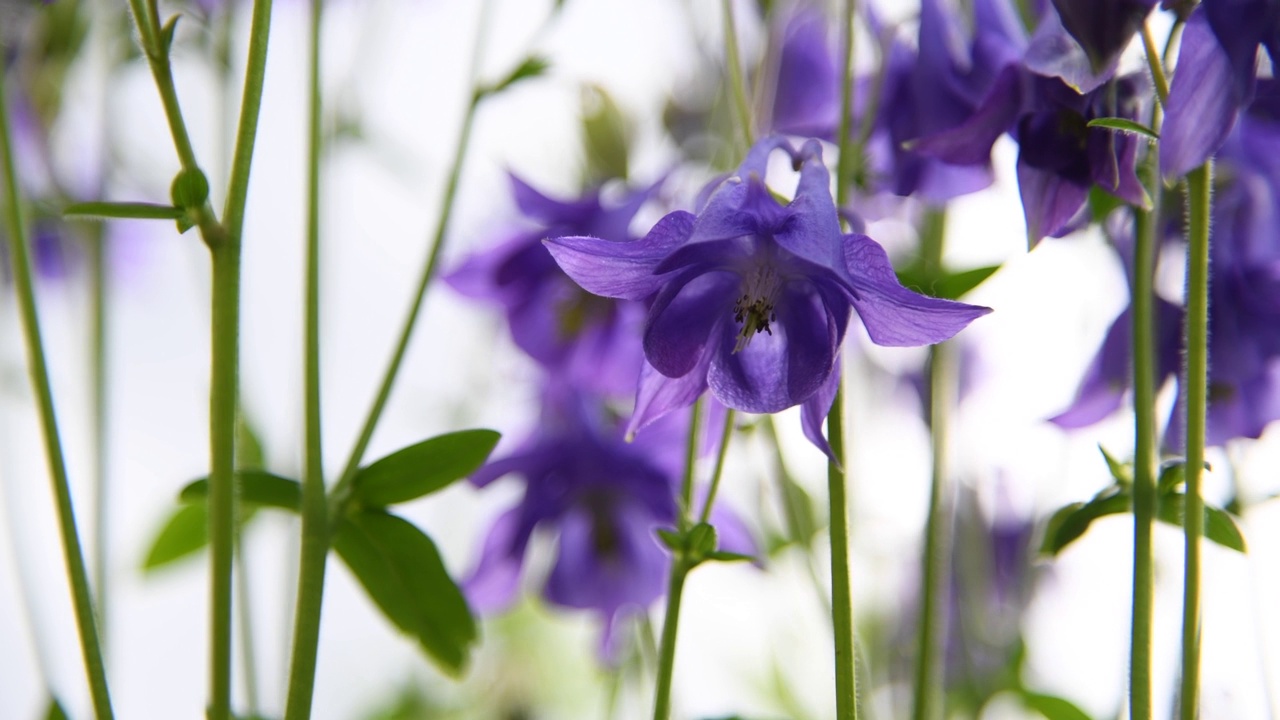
x,y
593,340
751,298
604,497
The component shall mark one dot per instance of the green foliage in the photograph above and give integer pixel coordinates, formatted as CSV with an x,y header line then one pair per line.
x,y
606,136
947,284
256,487
400,568
423,468
190,189
1129,127
114,210
55,711
1052,707
531,67
1218,526
1071,521
184,533
1121,472
698,545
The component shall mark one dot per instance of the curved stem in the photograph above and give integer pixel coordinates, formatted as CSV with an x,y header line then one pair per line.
x,y
739,89
342,489
1199,183
73,554
315,507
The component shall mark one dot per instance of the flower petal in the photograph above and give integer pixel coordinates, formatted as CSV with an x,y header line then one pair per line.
x,y
783,367
1054,53
685,318
970,143
815,410
621,269
893,315
1202,105
658,394
492,586
607,561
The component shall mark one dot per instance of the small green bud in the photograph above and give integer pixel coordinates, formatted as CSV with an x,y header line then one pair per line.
x,y
190,189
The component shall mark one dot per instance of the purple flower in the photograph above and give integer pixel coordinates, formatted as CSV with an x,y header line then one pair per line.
x,y
806,85
604,497
593,340
1103,28
751,298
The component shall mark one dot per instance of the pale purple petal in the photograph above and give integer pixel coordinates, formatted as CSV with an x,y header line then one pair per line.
x,y
970,143
621,269
684,319
1054,53
814,411
893,315
1202,105
658,394
492,586
1049,201
607,562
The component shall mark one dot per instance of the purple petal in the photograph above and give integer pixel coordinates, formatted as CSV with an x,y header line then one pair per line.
x,y
1049,201
1202,105
783,367
813,227
1054,53
1239,26
970,143
806,98
685,318
492,586
658,394
893,315
534,204
606,562
1104,28
814,411
621,269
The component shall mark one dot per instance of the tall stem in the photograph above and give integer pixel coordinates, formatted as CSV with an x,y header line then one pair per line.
x,y
342,488
1145,457
225,247
934,563
739,90
73,554
98,415
1199,182
846,686
315,507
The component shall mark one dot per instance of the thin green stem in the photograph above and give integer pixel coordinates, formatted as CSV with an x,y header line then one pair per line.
x,y
73,554
740,103
224,242
679,571
725,435
315,506
846,686
342,489
247,655
1155,65
98,415
1199,190
1145,453
934,563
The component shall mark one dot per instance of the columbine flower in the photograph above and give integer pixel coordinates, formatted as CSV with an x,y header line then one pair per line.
x,y
604,497
592,340
751,297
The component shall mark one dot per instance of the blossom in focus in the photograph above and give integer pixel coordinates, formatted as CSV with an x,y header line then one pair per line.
x,y
595,341
604,497
751,298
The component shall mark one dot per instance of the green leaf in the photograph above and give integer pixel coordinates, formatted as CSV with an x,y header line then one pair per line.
x,y
118,210
672,539
723,556
954,285
257,487
532,67
606,136
166,33
1071,521
1053,707
801,521
249,453
1173,473
1219,526
423,468
55,711
1102,203
702,540
400,568
1122,472
1125,126
185,532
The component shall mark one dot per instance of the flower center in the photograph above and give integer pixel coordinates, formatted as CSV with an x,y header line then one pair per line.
x,y
754,309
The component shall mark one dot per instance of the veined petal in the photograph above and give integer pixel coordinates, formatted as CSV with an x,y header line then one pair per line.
x,y
895,316
657,394
813,230
815,410
970,143
621,269
1049,201
1054,53
1239,26
685,318
1202,105
781,368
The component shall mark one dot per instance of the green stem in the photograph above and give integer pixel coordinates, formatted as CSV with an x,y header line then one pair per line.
x,y
741,106
342,489
73,554
225,246
1145,453
247,654
315,506
725,435
934,563
679,571
98,416
1199,184
1155,65
841,593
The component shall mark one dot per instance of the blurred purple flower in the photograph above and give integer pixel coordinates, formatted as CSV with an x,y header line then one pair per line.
x,y
751,298
806,82
605,497
595,341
